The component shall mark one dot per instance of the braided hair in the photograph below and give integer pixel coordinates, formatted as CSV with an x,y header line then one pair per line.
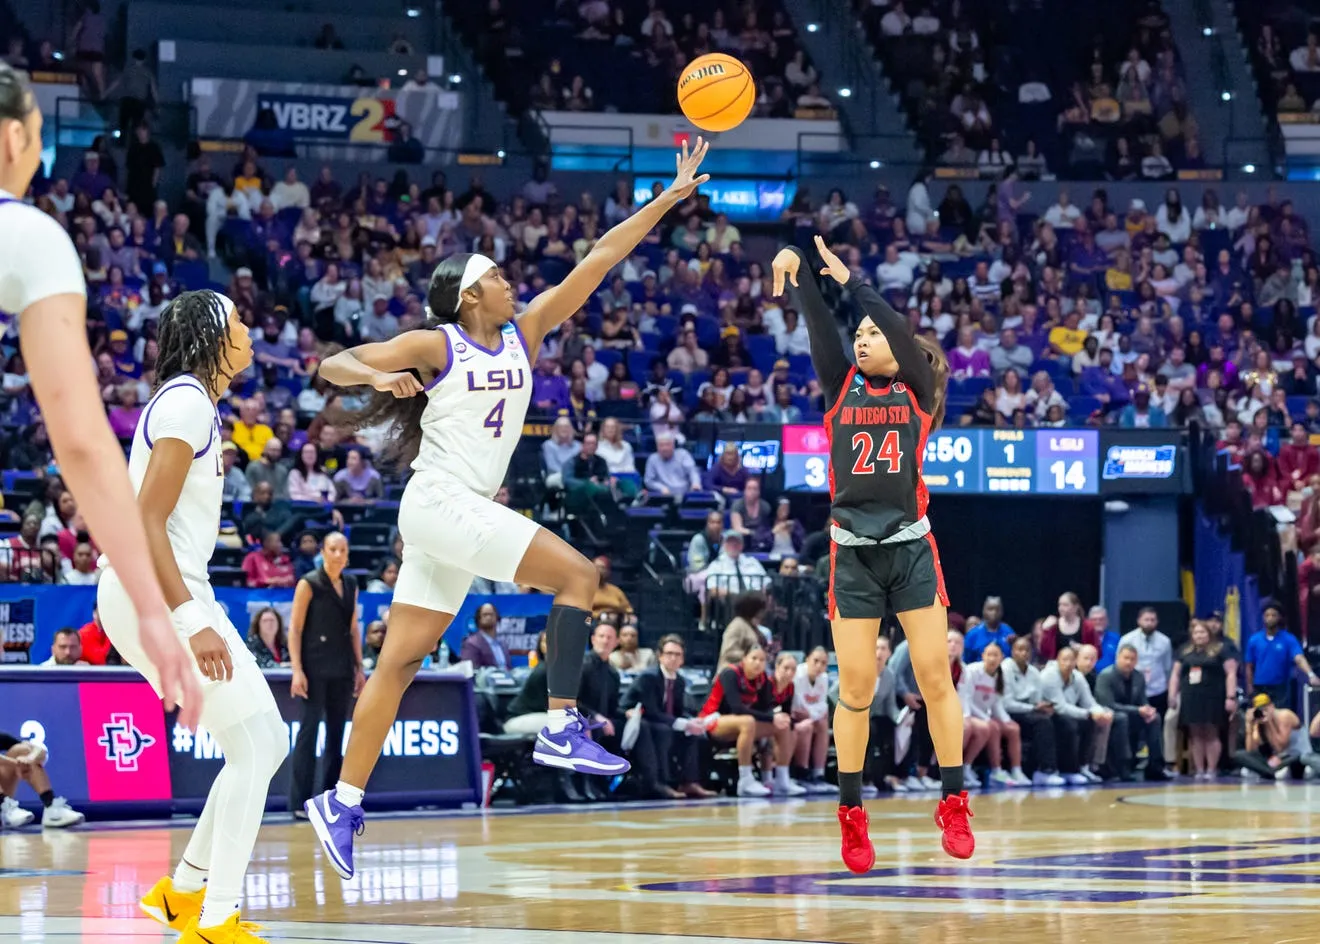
x,y
403,418
193,337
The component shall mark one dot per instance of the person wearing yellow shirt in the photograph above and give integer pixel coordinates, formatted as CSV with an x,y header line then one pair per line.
x,y
250,434
1067,339
1135,219
609,599
1118,277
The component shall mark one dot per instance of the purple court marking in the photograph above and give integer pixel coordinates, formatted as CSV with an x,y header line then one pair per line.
x,y
1119,876
850,885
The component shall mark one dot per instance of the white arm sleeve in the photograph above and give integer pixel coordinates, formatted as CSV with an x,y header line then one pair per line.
x,y
180,411
37,260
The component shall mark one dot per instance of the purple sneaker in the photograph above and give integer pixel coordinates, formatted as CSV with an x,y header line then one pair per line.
x,y
335,825
573,749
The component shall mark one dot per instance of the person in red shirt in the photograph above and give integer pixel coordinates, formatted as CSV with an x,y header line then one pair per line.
x,y
96,646
1298,459
76,533
741,707
1260,477
270,566
1068,628
1232,443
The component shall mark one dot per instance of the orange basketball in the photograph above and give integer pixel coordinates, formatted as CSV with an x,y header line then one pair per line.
x,y
716,92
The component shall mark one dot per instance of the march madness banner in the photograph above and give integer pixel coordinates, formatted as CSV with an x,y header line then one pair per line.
x,y
344,118
31,615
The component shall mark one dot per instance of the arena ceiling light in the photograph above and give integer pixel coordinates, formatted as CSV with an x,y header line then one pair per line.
x,y
813,27
455,78
876,165
1249,168
845,92
413,12
1226,96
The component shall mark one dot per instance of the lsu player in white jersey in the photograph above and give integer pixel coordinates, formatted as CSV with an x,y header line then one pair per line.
x,y
458,425
41,283
176,470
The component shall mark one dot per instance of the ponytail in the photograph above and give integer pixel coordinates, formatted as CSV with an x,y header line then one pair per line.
x,y
939,363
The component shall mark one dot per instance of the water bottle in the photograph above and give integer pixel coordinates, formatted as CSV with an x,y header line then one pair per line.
x,y
442,658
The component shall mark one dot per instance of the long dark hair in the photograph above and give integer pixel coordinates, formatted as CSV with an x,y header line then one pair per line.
x,y
939,363
193,337
403,418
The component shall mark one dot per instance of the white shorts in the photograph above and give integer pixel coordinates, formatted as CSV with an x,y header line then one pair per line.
x,y
450,535
224,703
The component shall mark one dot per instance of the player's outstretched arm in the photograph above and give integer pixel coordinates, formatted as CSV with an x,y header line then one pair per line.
x,y
913,365
387,365
556,305
827,353
53,337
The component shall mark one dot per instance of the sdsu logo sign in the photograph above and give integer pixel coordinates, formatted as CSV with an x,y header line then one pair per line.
x,y
362,120
124,742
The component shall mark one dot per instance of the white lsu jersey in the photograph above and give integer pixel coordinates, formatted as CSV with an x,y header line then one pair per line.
x,y
475,410
37,260
182,409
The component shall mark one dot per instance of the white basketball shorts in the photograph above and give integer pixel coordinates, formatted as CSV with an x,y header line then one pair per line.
x,y
452,534
224,703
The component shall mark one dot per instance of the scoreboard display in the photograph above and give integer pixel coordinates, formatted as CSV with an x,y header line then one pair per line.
x,y
972,461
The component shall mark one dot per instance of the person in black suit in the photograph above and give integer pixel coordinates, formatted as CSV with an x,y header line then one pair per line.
x,y
669,736
325,647
598,697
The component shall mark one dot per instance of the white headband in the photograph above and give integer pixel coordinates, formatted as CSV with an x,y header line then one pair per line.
x,y
477,266
227,305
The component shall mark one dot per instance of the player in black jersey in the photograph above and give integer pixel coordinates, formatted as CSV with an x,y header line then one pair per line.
x,y
882,555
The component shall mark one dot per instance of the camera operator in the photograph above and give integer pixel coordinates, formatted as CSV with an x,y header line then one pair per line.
x,y
1276,739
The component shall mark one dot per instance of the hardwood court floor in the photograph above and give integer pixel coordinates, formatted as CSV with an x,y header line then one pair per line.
x,y
1217,863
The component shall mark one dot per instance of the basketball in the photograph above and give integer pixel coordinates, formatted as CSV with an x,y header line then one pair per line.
x,y
716,92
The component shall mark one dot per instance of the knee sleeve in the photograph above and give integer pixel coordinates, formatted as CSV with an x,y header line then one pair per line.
x,y
567,631
858,709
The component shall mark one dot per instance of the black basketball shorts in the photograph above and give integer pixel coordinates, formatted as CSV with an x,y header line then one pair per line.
x,y
870,581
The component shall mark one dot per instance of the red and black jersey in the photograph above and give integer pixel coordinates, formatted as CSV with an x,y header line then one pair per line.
x,y
877,437
877,426
733,693
781,698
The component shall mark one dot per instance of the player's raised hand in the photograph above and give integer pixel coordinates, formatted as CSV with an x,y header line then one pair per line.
x,y
786,263
834,266
212,655
403,384
174,666
689,162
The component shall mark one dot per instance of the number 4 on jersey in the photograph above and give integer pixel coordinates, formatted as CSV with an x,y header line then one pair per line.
x,y
868,455
495,419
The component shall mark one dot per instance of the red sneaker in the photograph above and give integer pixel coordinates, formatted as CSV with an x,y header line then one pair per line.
x,y
951,816
858,853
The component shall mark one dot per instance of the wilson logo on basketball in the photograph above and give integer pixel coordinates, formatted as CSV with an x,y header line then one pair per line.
x,y
702,73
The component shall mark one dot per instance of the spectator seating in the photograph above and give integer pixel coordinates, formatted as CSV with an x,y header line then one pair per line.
x,y
980,87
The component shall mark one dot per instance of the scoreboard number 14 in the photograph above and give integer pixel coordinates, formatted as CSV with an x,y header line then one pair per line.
x,y
1067,474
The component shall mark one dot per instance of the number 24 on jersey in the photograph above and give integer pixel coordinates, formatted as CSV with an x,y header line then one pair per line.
x,y
868,455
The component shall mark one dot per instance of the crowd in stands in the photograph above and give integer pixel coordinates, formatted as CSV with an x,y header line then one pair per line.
x,y
599,55
1284,39
1106,97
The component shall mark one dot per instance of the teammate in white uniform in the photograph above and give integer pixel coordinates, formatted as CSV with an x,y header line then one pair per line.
x,y
176,470
41,282
459,424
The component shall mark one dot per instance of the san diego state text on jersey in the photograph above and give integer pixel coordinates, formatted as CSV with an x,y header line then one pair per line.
x,y
877,438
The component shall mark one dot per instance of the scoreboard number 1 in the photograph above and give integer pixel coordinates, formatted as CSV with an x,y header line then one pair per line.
x,y
1067,474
